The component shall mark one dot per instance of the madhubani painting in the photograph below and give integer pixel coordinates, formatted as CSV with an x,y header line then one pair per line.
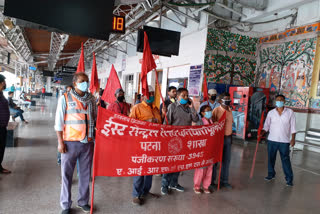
x,y
289,66
230,58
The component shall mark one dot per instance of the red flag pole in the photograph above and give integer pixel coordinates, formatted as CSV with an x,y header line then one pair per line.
x,y
165,115
257,145
221,156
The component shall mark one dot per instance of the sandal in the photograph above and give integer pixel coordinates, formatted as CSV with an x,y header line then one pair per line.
x,y
5,171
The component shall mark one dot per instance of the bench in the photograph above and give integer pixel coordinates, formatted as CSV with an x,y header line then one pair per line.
x,y
12,134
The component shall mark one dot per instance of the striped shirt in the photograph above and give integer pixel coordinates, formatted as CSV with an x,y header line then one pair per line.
x,y
4,111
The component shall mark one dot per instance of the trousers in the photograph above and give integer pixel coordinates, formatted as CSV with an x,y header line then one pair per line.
x,y
83,152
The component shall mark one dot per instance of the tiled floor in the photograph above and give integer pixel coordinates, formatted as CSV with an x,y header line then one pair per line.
x,y
34,185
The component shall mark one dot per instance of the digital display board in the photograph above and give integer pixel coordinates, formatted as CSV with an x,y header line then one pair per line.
x,y
118,24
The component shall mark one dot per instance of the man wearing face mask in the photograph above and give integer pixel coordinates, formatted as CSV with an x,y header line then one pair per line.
x,y
217,113
171,98
4,119
75,124
180,113
281,124
145,111
212,102
119,106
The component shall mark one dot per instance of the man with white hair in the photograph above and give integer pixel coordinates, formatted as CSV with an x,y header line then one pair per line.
x,y
146,111
212,93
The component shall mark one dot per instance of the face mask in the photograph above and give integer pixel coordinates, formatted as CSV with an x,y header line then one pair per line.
x,y
279,104
120,99
226,102
183,101
213,98
208,114
83,86
151,99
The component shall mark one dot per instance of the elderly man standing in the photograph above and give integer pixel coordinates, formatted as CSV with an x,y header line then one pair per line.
x,y
180,113
119,106
4,119
281,124
145,111
75,123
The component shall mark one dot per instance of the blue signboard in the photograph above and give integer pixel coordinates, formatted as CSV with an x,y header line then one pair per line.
x,y
32,68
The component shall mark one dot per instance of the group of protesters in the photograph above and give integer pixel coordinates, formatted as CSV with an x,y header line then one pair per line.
x,y
75,126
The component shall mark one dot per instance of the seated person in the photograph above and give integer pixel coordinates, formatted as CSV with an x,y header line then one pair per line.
x,y
14,109
24,100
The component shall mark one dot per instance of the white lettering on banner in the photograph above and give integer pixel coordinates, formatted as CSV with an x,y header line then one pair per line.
x,y
152,170
149,146
181,167
197,144
175,158
202,131
145,133
210,161
148,159
195,155
121,117
140,122
135,171
197,164
119,171
188,166
114,129
164,169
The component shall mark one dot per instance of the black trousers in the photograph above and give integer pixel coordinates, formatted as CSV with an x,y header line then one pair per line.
x,y
3,141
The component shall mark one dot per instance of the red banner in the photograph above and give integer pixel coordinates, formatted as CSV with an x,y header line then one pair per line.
x,y
128,147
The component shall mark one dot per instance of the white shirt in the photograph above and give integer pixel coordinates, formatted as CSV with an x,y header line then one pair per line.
x,y
280,127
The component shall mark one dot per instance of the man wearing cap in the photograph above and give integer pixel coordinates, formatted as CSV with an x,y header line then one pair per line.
x,y
212,93
145,111
119,106
4,119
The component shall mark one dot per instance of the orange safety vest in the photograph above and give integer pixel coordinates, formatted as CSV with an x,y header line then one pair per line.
x,y
75,120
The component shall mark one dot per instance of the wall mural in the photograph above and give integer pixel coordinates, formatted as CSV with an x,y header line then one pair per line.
x,y
230,58
295,59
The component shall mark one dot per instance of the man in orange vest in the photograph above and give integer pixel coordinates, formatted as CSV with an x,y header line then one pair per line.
x,y
75,124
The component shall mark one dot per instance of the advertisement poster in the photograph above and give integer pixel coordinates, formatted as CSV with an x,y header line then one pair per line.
x,y
195,80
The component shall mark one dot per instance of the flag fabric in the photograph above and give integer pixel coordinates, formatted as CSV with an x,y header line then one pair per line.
x,y
81,67
94,82
148,65
112,85
185,83
205,88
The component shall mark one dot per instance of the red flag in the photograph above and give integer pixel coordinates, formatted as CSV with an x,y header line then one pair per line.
x,y
185,83
112,85
257,145
148,65
94,82
81,61
205,88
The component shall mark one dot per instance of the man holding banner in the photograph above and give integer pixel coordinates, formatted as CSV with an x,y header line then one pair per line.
x,y
119,106
145,111
75,124
180,113
217,113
